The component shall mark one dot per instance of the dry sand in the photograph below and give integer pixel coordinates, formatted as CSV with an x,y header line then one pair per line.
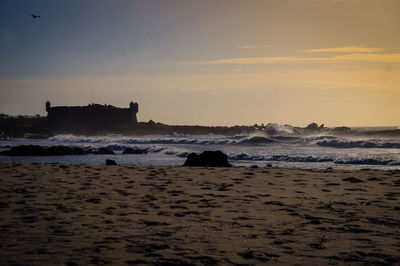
x,y
52,214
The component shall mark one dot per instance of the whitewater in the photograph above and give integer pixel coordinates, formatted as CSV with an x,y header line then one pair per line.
x,y
280,146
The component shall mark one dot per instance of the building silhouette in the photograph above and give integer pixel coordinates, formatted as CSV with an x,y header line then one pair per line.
x,y
91,115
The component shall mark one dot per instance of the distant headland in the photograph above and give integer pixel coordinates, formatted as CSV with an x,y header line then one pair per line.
x,y
97,119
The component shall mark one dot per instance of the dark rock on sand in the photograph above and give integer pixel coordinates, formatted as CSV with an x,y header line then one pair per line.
x,y
134,151
208,158
93,200
111,162
352,180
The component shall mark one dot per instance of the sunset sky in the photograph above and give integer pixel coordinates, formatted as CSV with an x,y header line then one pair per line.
x,y
206,62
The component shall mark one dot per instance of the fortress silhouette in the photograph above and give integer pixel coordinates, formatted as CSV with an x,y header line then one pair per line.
x,y
93,114
97,119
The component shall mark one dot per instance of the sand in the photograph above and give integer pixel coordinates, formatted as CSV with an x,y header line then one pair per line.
x,y
53,214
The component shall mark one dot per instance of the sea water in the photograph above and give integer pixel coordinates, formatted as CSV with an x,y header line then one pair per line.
x,y
283,147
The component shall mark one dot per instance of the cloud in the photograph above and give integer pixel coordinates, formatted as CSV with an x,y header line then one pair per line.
x,y
373,58
345,49
354,58
254,60
253,46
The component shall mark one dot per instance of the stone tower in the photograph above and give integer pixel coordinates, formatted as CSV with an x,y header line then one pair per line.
x,y
134,107
48,106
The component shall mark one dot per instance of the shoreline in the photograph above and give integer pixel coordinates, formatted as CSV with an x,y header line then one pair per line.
x,y
247,164
127,214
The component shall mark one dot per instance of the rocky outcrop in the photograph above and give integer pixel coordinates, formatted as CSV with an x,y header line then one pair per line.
x,y
111,162
24,150
63,150
134,151
35,150
341,129
208,158
314,127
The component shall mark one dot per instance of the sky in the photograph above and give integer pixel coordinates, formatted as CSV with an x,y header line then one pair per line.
x,y
206,62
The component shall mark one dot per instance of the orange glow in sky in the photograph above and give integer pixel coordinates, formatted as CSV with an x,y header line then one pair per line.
x,y
207,62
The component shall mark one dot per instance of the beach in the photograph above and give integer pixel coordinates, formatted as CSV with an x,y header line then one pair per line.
x,y
70,214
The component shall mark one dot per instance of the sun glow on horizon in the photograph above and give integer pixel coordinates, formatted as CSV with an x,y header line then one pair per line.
x,y
207,62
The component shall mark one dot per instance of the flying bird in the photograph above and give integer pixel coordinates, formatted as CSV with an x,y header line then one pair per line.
x,y
35,16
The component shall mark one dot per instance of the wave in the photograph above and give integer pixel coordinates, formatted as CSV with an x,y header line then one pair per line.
x,y
276,129
309,159
169,150
312,159
256,140
212,140
4,147
247,157
168,140
285,146
323,139
368,162
339,143
285,158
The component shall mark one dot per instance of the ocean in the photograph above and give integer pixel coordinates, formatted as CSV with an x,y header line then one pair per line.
x,y
282,146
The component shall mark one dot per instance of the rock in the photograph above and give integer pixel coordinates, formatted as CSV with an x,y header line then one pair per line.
x,y
93,200
78,151
103,151
208,158
63,150
352,180
111,162
25,150
254,166
58,150
341,129
312,126
134,151
34,150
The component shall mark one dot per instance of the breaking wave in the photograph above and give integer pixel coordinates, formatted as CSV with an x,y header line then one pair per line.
x,y
172,140
312,159
276,129
368,162
201,140
284,145
340,143
285,158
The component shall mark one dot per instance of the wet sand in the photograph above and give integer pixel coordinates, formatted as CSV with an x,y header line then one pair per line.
x,y
54,214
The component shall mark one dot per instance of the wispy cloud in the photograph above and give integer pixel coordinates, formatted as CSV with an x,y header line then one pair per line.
x,y
355,57
253,46
345,49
